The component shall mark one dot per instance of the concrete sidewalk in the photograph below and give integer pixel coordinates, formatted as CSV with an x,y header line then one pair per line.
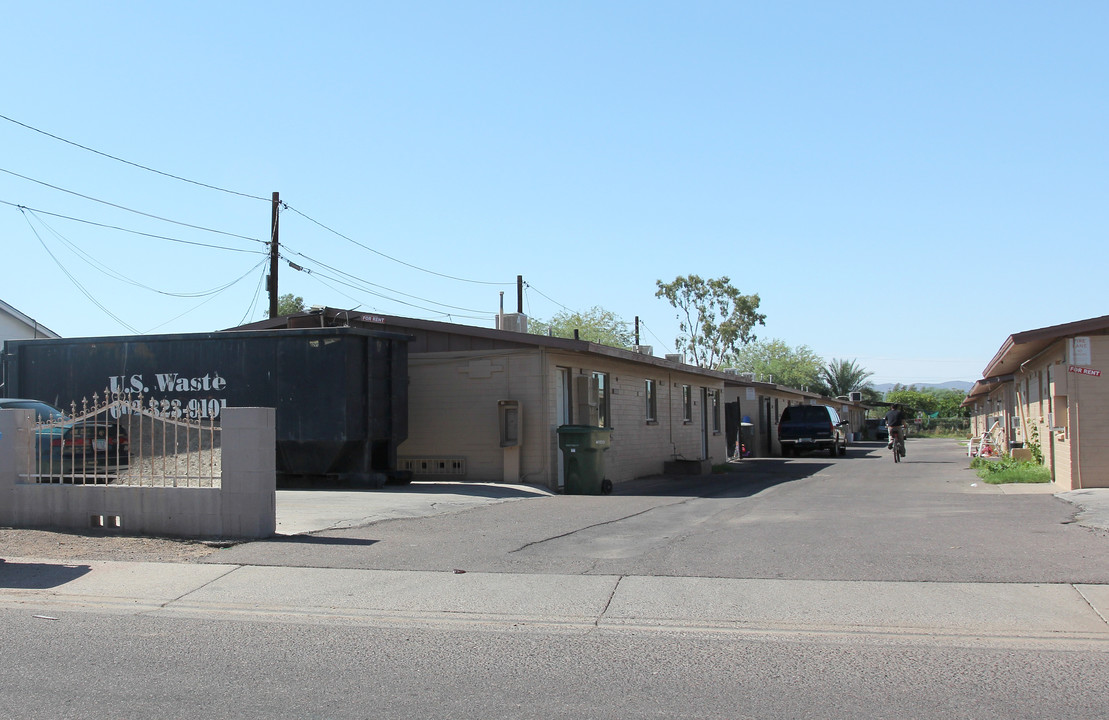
x,y
1092,504
987,612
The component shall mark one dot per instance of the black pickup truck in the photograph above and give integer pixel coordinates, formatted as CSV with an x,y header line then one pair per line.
x,y
812,427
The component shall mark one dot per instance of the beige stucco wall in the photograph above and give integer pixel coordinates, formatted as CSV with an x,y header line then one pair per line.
x,y
639,446
977,412
453,413
1071,412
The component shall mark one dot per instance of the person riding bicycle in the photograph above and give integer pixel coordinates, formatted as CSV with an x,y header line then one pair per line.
x,y
895,426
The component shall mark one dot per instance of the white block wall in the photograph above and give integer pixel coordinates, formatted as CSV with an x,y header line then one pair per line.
x,y
244,507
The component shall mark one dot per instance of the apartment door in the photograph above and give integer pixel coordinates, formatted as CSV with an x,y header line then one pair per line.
x,y
704,423
562,415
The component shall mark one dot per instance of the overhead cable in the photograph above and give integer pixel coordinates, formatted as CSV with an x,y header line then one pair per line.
x,y
90,260
662,344
377,294
224,190
77,283
367,282
133,164
389,257
257,293
449,316
529,286
133,232
130,210
210,299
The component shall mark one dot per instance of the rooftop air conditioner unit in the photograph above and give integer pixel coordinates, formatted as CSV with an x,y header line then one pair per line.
x,y
675,357
644,349
748,376
514,322
855,396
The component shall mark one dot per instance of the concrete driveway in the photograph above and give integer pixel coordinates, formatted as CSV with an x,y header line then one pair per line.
x,y
306,511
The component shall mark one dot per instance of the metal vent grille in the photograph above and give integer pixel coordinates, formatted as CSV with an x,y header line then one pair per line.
x,y
433,465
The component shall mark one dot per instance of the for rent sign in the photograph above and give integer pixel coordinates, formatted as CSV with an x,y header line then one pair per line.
x,y
1084,371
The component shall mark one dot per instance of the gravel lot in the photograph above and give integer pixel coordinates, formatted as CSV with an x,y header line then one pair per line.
x,y
74,547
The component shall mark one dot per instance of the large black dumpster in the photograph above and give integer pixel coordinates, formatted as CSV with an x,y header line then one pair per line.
x,y
340,394
583,448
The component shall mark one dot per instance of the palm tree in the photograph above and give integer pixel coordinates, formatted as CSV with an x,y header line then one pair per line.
x,y
844,376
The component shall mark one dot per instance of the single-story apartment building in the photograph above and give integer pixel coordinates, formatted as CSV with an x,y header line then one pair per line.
x,y
1045,390
485,404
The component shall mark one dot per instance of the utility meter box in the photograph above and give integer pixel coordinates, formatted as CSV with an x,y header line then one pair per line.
x,y
508,412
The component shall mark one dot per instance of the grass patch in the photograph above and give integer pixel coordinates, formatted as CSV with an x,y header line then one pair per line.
x,y
1007,470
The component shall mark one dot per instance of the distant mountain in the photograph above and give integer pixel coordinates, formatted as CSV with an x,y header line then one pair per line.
x,y
950,385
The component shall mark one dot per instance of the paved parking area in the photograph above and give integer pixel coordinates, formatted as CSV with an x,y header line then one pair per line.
x,y
306,511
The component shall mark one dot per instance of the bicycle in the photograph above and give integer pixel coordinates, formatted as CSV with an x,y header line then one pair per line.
x,y
897,441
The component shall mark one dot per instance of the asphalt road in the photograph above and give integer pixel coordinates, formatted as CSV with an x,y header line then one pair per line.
x,y
813,587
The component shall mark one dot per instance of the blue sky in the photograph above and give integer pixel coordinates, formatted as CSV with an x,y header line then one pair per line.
x,y
833,158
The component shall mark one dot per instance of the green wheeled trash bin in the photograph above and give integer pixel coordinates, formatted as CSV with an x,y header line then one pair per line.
x,y
583,448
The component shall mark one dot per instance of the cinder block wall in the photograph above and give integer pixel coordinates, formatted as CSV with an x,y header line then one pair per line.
x,y
453,412
245,505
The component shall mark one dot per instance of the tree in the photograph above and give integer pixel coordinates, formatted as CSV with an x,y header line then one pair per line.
x,y
948,402
595,325
912,399
714,317
288,304
776,362
842,377
945,402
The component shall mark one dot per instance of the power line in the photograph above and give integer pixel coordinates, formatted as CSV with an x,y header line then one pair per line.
x,y
389,257
367,282
126,230
77,283
449,316
231,192
96,264
257,293
360,288
662,344
208,300
529,286
132,164
130,210
220,189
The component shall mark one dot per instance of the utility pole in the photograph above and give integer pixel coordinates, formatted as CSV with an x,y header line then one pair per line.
x,y
271,281
520,294
637,330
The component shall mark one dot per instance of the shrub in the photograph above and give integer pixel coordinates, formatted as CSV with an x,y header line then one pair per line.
x,y
1034,444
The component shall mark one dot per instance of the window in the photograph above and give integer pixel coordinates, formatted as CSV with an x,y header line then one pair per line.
x,y
687,403
600,380
652,401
